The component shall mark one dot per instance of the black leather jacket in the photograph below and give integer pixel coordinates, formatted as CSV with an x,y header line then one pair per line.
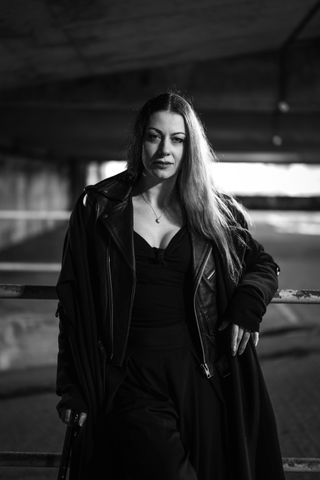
x,y
111,202
96,289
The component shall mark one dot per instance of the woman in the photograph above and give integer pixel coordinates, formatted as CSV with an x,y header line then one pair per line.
x,y
161,293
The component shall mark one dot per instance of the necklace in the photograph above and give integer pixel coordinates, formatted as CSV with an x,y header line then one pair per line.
x,y
157,219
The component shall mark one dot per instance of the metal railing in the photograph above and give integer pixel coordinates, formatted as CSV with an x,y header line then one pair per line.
x,y
52,459
48,292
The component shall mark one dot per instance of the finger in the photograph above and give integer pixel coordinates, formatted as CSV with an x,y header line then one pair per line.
x,y
244,342
255,338
239,337
234,336
82,419
66,415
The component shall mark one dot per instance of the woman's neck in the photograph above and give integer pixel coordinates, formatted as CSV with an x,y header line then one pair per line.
x,y
158,193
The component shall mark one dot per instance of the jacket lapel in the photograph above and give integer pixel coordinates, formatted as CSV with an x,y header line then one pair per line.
x,y
200,249
225,286
119,223
115,212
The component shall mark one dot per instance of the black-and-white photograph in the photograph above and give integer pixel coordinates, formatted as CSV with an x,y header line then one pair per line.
x,y
159,240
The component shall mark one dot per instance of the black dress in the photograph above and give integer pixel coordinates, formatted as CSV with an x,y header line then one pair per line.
x,y
168,422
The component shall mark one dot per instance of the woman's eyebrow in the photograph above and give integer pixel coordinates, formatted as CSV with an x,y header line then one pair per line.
x,y
159,131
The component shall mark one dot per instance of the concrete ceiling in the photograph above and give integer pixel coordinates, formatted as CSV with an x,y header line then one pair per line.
x,y
47,41
73,72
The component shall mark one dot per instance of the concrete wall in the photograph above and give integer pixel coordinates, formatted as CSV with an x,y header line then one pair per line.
x,y
30,185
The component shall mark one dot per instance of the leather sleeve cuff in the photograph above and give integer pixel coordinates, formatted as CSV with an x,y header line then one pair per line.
x,y
246,309
73,402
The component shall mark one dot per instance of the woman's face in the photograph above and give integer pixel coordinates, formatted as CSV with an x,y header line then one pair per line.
x,y
163,144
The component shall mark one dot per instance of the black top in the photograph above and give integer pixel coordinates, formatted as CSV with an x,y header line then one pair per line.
x,y
162,281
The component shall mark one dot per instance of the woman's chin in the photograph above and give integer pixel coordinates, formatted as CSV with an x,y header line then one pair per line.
x,y
162,173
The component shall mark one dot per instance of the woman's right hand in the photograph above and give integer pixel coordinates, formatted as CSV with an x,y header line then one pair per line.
x,y
71,417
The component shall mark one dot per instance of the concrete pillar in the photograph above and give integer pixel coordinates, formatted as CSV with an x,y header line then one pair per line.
x,y
28,186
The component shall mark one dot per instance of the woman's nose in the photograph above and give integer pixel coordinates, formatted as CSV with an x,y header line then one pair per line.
x,y
164,147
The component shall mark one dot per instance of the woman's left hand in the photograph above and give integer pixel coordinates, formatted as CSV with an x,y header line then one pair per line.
x,y
240,338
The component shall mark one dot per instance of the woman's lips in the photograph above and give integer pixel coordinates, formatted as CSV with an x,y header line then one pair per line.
x,y
161,163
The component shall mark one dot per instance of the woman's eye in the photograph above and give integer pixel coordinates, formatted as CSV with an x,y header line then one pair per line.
x,y
178,140
152,137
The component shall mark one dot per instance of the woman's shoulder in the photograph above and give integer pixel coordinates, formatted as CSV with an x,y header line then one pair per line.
x,y
101,197
111,188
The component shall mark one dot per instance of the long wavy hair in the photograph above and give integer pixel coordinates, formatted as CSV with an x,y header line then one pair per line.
x,y
209,212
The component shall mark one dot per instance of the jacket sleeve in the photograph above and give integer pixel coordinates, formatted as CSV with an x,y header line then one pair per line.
x,y
256,288
66,380
67,383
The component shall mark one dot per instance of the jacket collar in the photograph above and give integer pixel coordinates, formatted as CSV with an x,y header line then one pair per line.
x,y
115,212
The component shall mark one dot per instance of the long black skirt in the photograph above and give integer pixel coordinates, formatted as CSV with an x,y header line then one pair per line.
x,y
167,421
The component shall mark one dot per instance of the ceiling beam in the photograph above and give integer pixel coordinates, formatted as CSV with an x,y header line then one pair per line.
x,y
235,98
60,134
249,82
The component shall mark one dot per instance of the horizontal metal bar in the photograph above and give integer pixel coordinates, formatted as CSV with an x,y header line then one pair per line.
x,y
29,267
269,157
35,214
38,292
52,459
48,292
297,296
311,465
29,459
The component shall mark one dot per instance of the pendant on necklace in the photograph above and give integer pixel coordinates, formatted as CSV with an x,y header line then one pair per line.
x,y
157,220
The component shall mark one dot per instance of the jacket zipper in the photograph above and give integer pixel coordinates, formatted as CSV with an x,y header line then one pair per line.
x,y
131,301
212,274
110,300
204,365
